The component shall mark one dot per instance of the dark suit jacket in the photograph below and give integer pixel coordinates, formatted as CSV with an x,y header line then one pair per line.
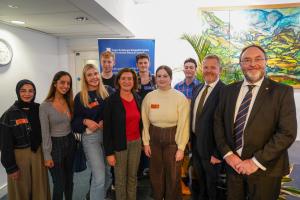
x,y
270,130
114,123
205,144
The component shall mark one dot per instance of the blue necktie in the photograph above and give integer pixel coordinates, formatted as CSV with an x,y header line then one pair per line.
x,y
239,124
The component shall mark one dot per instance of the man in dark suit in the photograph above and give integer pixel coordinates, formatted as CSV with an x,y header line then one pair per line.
x,y
255,124
206,159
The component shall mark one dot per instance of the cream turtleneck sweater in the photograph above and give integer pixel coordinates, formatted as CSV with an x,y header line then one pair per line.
x,y
166,109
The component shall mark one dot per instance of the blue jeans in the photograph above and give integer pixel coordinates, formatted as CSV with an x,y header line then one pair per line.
x,y
94,152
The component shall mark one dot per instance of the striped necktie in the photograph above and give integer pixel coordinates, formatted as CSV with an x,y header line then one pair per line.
x,y
239,124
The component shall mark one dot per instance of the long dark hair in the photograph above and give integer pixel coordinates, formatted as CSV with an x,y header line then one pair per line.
x,y
68,96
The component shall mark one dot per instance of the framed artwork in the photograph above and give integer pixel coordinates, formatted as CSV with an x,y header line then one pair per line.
x,y
274,27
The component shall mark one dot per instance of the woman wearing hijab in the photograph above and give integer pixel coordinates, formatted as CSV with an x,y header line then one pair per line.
x,y
21,153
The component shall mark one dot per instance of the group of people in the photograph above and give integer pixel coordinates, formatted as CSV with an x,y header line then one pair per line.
x,y
129,117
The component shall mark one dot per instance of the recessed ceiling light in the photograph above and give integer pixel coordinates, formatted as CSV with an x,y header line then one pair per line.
x,y
13,6
17,22
81,19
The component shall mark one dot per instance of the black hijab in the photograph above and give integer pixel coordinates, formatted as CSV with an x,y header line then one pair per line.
x,y
31,109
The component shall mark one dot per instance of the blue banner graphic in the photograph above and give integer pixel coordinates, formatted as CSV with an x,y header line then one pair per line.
x,y
126,50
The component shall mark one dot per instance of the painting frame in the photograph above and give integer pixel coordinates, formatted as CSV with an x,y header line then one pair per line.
x,y
282,67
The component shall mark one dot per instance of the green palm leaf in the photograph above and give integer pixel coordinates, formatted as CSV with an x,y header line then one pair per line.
x,y
200,44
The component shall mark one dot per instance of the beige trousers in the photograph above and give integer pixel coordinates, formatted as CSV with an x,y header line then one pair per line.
x,y
127,163
33,182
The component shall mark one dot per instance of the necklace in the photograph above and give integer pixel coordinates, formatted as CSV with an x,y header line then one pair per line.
x,y
62,106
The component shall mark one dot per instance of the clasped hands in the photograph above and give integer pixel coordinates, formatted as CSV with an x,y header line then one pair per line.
x,y
92,125
245,167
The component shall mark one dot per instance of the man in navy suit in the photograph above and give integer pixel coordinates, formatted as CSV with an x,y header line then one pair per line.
x,y
255,124
206,159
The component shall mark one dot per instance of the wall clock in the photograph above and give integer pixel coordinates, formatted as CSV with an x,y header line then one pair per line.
x,y
6,53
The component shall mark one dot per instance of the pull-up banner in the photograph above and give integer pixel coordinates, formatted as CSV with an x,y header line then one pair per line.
x,y
126,50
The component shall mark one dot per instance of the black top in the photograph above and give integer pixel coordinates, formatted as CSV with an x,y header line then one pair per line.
x,y
114,124
143,90
110,82
20,128
94,112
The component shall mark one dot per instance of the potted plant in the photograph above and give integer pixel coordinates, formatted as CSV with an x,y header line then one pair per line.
x,y
288,190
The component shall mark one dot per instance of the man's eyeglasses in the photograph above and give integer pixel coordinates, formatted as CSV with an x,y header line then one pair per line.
x,y
255,61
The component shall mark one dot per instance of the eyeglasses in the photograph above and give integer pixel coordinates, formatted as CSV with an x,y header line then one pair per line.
x,y
255,61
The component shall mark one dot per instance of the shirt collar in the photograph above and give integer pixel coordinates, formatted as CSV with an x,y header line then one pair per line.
x,y
258,83
212,85
194,82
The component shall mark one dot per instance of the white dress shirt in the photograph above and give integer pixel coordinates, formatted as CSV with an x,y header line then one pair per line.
x,y
244,89
210,88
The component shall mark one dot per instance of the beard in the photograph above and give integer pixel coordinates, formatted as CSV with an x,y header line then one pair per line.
x,y
210,77
255,76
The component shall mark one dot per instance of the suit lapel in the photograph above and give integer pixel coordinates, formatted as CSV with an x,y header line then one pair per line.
x,y
194,97
260,98
211,96
196,93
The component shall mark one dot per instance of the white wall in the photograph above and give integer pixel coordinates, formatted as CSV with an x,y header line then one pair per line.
x,y
297,100
166,20
220,3
36,56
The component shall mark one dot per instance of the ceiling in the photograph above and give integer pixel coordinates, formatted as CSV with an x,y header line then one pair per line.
x,y
57,17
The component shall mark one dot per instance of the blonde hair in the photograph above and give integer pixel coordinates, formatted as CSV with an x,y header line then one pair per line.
x,y
84,95
107,54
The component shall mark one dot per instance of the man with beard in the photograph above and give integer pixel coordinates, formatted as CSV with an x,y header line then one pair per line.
x,y
206,158
255,123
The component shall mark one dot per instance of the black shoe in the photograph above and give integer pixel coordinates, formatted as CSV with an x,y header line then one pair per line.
x,y
110,194
87,196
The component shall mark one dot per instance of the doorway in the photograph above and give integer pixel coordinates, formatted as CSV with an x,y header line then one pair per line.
x,y
81,59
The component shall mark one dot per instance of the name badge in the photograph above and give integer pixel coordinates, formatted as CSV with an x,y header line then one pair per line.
x,y
154,106
93,104
21,121
148,88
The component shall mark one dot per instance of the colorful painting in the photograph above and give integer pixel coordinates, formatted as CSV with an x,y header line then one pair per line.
x,y
277,30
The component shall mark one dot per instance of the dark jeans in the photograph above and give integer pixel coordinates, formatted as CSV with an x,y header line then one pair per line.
x,y
144,164
63,151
